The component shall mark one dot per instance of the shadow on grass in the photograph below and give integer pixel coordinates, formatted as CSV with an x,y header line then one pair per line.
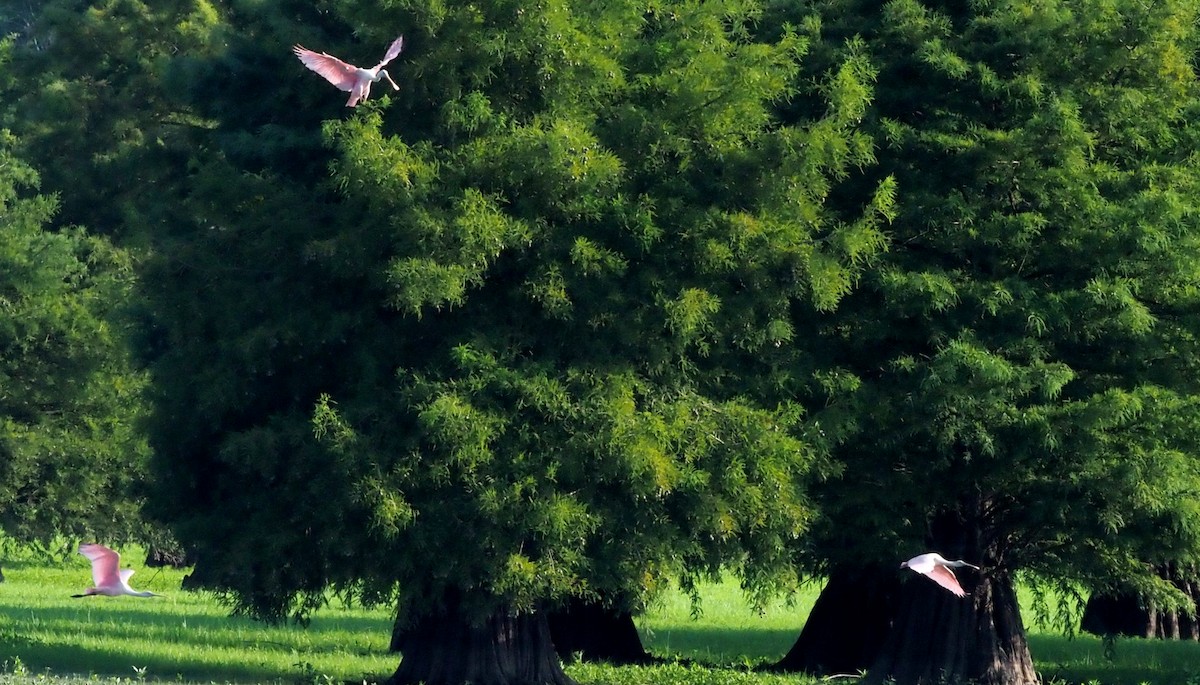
x,y
1132,661
58,658
95,635
111,662
719,646
143,622
1059,659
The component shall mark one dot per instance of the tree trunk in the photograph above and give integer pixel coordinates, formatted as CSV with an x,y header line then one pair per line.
x,y
397,632
1,575
1119,614
168,557
596,632
847,624
940,638
201,578
506,648
1126,614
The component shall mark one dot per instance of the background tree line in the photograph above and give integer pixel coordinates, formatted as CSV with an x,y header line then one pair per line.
x,y
609,296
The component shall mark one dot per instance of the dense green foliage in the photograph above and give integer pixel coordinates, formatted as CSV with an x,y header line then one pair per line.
x,y
70,454
1024,356
87,99
502,353
608,294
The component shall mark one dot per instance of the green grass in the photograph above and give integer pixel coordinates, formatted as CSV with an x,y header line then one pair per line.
x,y
1132,662
727,631
48,637
181,636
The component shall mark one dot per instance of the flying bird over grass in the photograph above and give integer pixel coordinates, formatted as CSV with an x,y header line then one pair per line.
x,y
106,573
936,567
354,80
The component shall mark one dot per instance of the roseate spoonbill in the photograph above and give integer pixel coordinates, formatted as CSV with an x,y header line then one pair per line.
x,y
105,574
937,567
354,80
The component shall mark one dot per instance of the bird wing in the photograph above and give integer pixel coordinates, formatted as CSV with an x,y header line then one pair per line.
x,y
921,563
392,51
333,69
945,577
104,563
125,574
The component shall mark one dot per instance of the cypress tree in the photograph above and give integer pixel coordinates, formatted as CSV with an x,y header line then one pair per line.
x,y
1021,360
490,345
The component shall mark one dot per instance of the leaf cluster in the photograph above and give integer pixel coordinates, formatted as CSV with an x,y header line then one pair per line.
x,y
1011,348
536,286
70,454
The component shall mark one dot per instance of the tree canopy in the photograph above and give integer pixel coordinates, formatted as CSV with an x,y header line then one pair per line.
x,y
497,355
71,455
615,293
1022,357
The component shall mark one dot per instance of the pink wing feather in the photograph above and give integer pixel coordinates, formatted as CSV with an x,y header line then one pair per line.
x,y
945,577
392,51
333,69
104,563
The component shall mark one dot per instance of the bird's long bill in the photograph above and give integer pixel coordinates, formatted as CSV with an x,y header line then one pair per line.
x,y
383,73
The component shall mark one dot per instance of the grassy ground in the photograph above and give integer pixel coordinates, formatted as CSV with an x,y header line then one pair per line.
x,y
46,636
181,636
727,630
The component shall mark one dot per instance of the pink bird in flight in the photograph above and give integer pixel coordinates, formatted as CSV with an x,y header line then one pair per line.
x,y
354,80
107,574
937,567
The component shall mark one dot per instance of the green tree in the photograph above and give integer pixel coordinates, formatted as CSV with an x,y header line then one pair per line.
x,y
499,358
87,100
71,457
1023,359
82,89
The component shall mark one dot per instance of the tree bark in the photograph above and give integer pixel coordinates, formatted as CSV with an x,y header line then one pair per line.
x,y
1116,614
596,632
1126,614
847,624
506,648
168,557
201,578
1,575
397,632
940,638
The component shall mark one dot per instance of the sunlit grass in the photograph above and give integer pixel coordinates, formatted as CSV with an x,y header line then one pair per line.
x,y
47,637
727,630
180,636
681,674
1132,661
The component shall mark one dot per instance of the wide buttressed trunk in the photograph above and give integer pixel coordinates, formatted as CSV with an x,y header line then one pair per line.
x,y
593,631
847,624
940,638
505,648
